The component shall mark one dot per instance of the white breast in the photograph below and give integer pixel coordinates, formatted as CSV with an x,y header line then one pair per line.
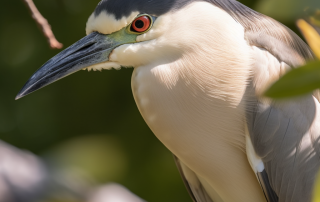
x,y
195,104
205,131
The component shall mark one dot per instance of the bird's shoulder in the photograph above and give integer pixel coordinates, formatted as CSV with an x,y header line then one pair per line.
x,y
264,32
275,48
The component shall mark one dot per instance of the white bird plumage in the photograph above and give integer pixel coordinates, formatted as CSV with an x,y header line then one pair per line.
x,y
199,73
194,104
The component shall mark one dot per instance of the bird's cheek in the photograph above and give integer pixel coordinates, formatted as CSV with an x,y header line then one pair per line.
x,y
127,55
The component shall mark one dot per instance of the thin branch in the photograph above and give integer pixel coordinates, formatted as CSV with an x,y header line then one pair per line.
x,y
43,23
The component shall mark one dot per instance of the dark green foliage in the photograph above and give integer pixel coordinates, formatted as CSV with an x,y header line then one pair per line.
x,y
297,82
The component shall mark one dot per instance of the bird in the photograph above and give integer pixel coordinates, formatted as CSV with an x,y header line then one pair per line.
x,y
200,68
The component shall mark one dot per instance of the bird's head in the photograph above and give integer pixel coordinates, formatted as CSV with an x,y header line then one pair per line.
x,y
137,33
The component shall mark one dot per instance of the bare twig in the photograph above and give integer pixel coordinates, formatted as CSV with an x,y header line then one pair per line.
x,y
43,23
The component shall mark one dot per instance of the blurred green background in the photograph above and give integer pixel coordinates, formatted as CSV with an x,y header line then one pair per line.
x,y
88,122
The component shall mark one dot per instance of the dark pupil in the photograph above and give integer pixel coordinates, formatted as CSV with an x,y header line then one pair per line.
x,y
139,24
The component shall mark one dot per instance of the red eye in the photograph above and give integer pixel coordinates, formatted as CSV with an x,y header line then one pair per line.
x,y
141,24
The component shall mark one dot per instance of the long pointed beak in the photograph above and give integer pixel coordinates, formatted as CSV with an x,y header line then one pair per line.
x,y
90,50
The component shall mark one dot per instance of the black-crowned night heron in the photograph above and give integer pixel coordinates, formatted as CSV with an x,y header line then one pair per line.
x,y
200,67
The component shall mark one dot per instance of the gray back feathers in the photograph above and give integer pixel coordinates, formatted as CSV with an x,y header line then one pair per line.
x,y
265,32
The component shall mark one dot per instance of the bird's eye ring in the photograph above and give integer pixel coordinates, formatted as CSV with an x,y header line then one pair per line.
x,y
141,24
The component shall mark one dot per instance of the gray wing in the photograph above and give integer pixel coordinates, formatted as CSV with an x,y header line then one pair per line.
x,y
192,183
285,135
287,138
